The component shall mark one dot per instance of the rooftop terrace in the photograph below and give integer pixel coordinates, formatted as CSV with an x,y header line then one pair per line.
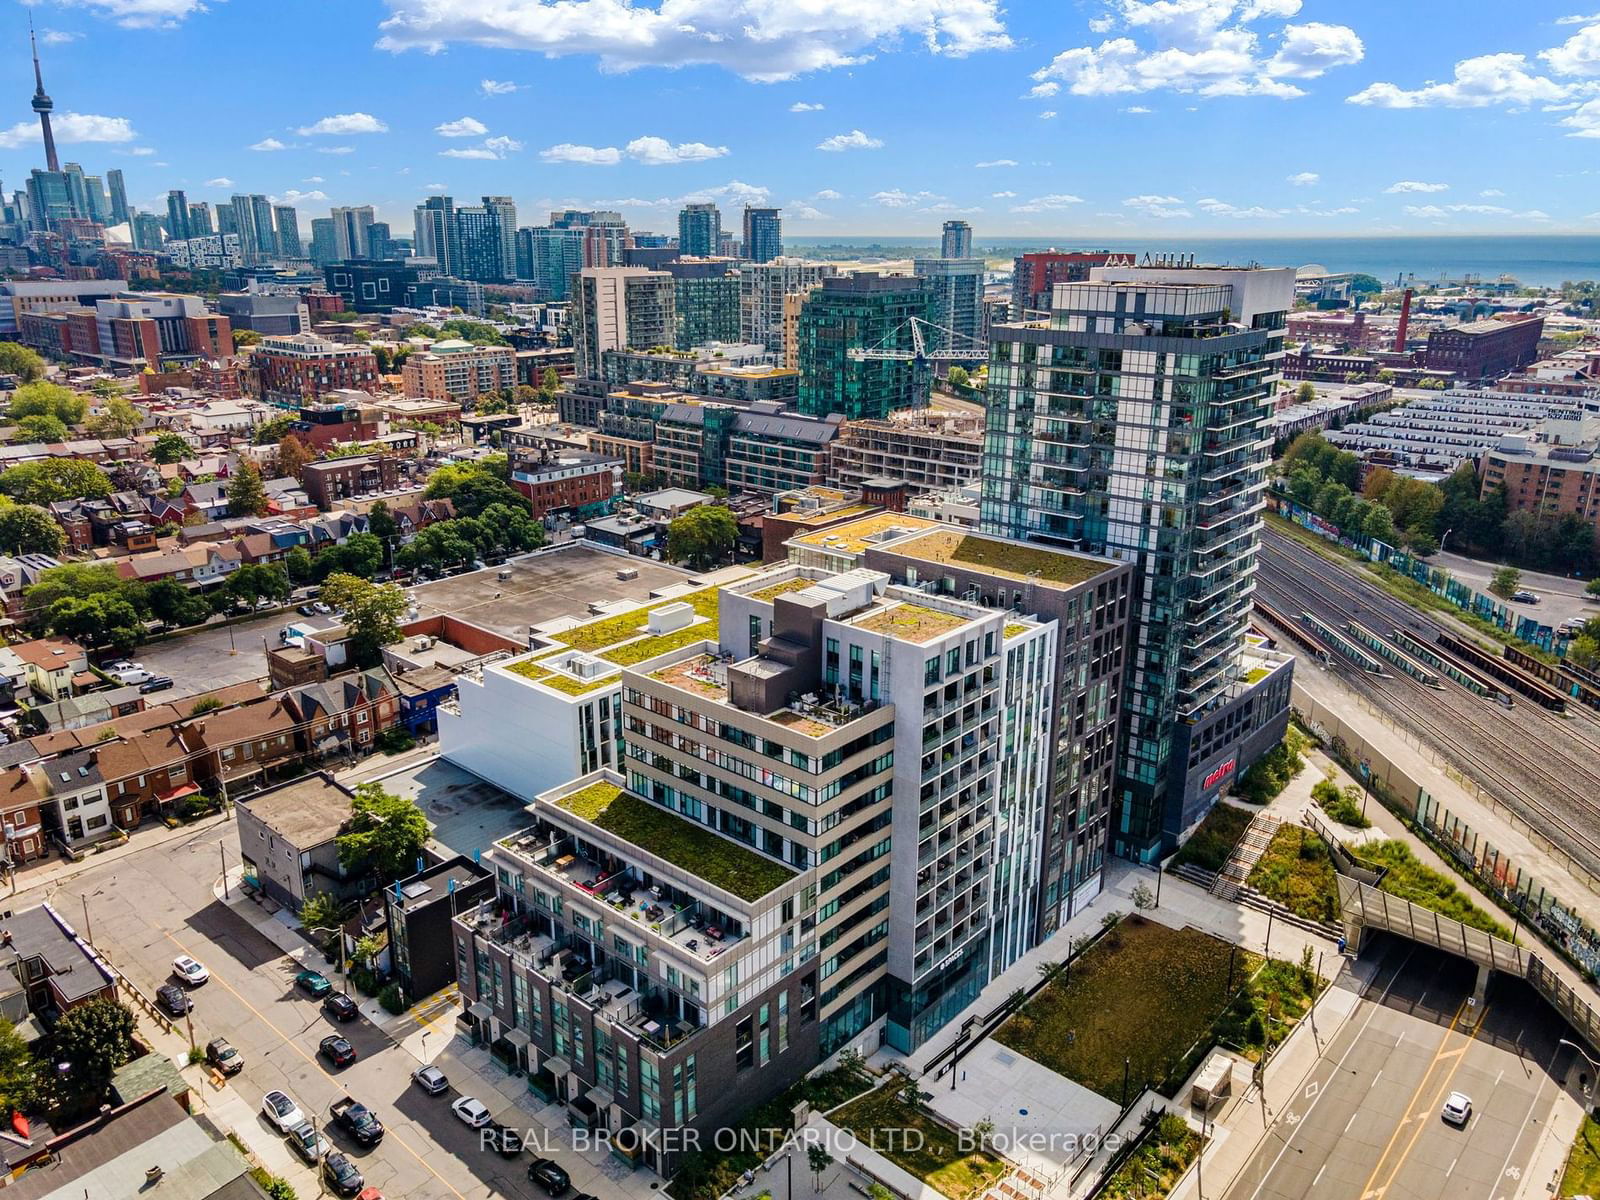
x,y
693,848
1013,560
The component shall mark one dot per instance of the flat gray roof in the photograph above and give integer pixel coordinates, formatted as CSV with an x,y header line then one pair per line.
x,y
305,812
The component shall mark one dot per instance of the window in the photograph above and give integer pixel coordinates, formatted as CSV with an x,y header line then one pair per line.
x,y
744,1045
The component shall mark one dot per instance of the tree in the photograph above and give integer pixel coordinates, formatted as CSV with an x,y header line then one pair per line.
x,y
702,536
102,620
361,554
293,455
473,487
1505,582
1142,896
175,605
384,835
525,394
819,1160
1583,652
320,909
48,480
170,448
298,564
1413,503
958,377
268,432
1379,524
41,427
245,337
1592,588
1378,482
381,523
1421,541
1305,393
490,404
257,581
72,579
20,361
246,496
371,613
19,1070
478,332
93,1040
49,400
116,419
25,529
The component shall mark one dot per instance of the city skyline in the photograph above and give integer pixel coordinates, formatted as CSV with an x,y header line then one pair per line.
x,y
1333,123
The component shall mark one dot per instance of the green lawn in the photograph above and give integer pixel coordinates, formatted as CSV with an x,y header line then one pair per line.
x,y
1581,1176
1411,880
1296,871
1144,992
881,1120
1211,844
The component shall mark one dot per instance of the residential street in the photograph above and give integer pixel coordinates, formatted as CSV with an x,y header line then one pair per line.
x,y
146,907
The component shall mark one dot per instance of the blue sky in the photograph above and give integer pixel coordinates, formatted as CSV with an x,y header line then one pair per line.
x,y
1061,118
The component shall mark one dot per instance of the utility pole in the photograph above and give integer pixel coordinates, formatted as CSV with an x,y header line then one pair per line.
x,y
223,854
88,932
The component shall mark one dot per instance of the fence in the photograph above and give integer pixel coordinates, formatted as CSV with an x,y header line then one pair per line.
x,y
1344,862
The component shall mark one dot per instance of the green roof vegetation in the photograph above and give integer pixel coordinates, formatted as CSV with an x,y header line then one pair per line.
x,y
1016,629
1032,563
720,862
883,1120
773,590
913,622
645,648
608,631
1257,674
556,680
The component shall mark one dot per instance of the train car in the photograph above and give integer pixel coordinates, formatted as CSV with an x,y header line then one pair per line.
x,y
1581,685
1507,671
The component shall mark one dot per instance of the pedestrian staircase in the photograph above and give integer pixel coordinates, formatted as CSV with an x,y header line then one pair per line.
x,y
1247,852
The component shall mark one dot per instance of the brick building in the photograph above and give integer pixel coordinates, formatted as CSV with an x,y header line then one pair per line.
x,y
341,478
1485,349
569,481
303,365
460,371
1034,276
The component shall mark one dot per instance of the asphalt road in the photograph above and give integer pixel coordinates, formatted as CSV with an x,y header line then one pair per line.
x,y
148,907
1366,1123
1560,596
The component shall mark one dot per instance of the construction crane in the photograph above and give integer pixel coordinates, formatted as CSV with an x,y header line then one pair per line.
x,y
948,349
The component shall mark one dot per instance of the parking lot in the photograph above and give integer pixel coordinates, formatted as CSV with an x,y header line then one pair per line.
x,y
1367,1124
467,813
213,657
541,587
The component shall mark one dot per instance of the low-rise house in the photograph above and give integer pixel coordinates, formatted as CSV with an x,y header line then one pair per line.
x,y
19,572
197,565
287,839
74,807
236,744
91,708
52,665
420,910
56,968
20,802
145,772
422,691
345,712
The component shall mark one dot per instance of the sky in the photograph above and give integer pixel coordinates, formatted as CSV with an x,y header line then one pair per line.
x,y
1055,118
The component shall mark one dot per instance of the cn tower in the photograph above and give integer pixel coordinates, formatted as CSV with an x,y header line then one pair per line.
x,y
42,105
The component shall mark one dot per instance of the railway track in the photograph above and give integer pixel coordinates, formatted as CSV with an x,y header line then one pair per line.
x,y
1547,774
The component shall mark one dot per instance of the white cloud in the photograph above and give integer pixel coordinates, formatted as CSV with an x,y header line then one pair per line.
x,y
800,210
268,145
461,127
1479,82
1137,110
800,106
589,156
1413,185
312,179
854,140
763,40
336,149
497,87
1579,54
1204,47
490,149
344,124
71,127
435,187
59,37
1490,193
658,152
895,198
996,162
1161,207
828,194
139,151
141,14
1052,203
1578,21
296,196
1001,195
221,181
1305,178
1049,114
1584,121
735,193
1220,208
1043,91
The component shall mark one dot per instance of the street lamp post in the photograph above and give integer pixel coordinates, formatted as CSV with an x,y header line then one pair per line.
x,y
1366,785
344,974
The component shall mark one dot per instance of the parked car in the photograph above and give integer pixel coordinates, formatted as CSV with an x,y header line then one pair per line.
x,y
305,1141
174,999
341,1174
188,971
1524,596
132,673
502,1139
313,983
471,1110
547,1173
283,1112
337,1050
1457,1109
307,610
430,1079
340,1007
221,1055
356,1119
159,684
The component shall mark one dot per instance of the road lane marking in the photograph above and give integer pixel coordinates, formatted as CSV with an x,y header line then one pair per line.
x,y
295,1046
1366,1188
1318,1178
1444,1087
